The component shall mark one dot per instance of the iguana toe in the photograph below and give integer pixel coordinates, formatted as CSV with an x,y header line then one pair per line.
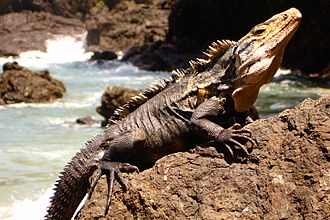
x,y
112,170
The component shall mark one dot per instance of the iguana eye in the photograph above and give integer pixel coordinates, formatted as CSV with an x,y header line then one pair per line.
x,y
259,31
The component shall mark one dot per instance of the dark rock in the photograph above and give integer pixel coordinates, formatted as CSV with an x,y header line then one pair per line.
x,y
112,98
18,84
190,27
158,56
285,177
104,55
87,120
193,24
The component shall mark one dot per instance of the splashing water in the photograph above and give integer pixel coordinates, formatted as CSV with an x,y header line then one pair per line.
x,y
37,140
59,49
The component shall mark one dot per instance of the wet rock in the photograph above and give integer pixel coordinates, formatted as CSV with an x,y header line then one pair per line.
x,y
18,84
112,98
285,177
87,120
157,56
104,55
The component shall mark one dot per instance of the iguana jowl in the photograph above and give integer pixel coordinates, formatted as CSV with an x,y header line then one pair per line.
x,y
206,102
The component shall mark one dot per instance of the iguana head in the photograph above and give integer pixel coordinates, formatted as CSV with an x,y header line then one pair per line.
x,y
259,54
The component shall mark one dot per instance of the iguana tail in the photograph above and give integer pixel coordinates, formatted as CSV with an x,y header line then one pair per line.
x,y
73,182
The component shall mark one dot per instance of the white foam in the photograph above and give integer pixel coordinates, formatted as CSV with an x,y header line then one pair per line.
x,y
88,101
282,71
59,49
27,208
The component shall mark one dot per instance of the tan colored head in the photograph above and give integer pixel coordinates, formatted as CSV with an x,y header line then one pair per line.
x,y
259,55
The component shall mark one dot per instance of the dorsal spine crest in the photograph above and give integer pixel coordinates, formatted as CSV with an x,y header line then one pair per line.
x,y
214,51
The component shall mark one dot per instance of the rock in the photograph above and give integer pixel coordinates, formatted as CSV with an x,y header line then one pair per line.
x,y
112,98
192,25
157,56
127,23
18,84
87,120
287,176
104,55
28,30
169,30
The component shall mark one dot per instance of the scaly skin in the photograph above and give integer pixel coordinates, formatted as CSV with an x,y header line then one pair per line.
x,y
207,102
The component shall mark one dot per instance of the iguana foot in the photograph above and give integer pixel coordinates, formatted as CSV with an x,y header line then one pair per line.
x,y
237,137
113,171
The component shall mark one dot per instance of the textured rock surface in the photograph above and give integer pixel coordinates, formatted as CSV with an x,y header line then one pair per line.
x,y
18,84
127,23
286,177
112,98
29,31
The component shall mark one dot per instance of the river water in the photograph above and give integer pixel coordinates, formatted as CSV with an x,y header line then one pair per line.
x,y
37,140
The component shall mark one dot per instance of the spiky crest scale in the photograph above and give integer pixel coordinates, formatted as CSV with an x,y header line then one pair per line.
x,y
214,51
139,99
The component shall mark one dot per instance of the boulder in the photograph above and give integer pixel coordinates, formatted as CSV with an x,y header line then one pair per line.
x,y
18,84
86,121
104,55
285,177
112,98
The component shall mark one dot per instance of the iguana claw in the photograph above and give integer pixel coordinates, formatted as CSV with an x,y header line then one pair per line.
x,y
234,135
112,170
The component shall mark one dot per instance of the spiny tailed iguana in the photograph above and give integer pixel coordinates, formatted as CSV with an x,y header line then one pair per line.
x,y
206,102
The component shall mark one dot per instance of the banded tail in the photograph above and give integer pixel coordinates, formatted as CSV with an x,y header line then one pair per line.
x,y
73,182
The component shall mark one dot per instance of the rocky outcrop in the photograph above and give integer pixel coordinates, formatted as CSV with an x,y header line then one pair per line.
x,y
29,30
103,55
287,176
18,84
163,34
112,98
124,24
193,24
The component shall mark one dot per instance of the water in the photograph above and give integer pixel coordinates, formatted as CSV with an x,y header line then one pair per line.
x,y
37,140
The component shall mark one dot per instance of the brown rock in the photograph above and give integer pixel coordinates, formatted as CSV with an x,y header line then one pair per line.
x,y
18,84
287,176
29,31
112,98
86,120
127,23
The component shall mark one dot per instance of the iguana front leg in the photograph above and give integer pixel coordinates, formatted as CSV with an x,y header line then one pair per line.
x,y
202,125
118,149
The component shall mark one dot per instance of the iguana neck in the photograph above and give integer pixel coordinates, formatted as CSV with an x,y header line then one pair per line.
x,y
259,54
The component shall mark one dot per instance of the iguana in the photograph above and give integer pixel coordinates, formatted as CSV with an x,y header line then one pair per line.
x,y
206,102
